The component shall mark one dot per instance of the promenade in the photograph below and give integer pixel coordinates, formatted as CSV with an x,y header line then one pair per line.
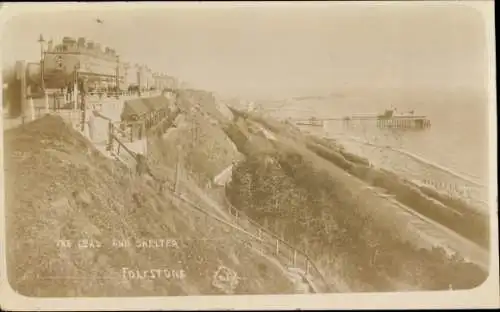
x,y
100,112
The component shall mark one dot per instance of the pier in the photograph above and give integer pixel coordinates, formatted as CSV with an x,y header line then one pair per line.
x,y
382,121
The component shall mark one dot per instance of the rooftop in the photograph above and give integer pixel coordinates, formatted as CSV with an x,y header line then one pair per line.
x,y
82,45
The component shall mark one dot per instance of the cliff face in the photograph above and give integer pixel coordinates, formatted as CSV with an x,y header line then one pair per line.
x,y
80,224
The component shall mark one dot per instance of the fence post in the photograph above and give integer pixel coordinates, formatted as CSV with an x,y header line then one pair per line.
x,y
65,99
75,96
110,136
277,247
46,96
294,257
132,126
83,113
32,108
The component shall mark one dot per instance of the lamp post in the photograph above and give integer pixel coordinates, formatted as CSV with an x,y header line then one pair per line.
x,y
75,88
139,80
41,41
117,75
125,77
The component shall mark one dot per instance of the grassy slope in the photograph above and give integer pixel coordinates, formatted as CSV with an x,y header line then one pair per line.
x,y
205,148
59,187
310,205
451,212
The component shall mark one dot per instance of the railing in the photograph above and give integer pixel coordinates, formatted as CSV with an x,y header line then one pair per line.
x,y
121,145
278,247
102,94
130,130
34,113
62,103
267,241
137,130
93,96
117,94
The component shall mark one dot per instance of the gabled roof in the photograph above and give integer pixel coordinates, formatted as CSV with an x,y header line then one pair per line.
x,y
141,106
133,107
156,103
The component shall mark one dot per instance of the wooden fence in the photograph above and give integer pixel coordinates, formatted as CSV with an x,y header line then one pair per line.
x,y
262,239
272,244
127,131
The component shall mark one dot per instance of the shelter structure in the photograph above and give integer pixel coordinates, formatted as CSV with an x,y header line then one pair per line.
x,y
142,114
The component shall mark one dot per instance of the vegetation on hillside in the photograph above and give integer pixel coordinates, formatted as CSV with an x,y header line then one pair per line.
x,y
58,188
284,192
453,213
202,148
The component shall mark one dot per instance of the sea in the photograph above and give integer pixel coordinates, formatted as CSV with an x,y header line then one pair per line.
x,y
453,153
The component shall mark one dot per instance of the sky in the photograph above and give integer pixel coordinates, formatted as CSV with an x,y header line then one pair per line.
x,y
275,50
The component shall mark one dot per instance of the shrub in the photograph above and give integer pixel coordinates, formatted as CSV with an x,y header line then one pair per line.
x,y
452,213
310,210
336,158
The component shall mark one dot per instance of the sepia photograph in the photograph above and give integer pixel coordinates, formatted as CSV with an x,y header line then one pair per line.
x,y
248,155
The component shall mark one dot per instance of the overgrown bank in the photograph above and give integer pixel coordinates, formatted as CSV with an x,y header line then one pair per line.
x,y
58,187
451,212
284,190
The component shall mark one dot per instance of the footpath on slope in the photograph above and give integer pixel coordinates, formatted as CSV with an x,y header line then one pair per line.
x,y
206,122
183,138
435,233
422,171
382,210
59,188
